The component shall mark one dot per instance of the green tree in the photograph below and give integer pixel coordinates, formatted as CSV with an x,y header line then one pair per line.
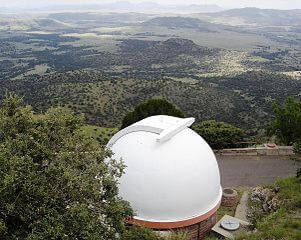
x,y
150,108
140,233
54,183
287,123
219,134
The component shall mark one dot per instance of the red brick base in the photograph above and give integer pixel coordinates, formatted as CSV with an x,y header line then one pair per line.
x,y
196,228
198,231
229,198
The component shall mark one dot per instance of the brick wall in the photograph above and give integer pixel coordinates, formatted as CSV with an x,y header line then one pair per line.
x,y
229,199
198,231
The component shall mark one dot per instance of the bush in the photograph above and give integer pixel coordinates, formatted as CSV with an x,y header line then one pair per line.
x,y
140,233
150,108
284,223
287,123
219,134
297,148
54,183
177,236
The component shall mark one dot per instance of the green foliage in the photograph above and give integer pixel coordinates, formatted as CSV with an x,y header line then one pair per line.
x,y
177,236
297,151
278,225
211,238
54,182
219,134
140,233
150,108
99,135
284,223
290,193
287,123
297,147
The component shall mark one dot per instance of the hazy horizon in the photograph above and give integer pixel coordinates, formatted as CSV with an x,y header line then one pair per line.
x,y
275,4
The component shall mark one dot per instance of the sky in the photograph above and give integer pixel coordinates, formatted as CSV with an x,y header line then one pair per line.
x,y
279,4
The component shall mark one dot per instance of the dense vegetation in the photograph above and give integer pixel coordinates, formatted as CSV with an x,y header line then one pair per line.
x,y
52,64
284,222
220,135
54,182
287,123
151,108
96,95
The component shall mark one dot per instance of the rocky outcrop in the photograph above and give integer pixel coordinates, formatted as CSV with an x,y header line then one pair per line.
x,y
263,201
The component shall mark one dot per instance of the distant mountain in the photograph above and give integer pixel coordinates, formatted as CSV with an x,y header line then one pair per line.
x,y
179,22
138,7
21,23
99,19
206,8
2,9
263,17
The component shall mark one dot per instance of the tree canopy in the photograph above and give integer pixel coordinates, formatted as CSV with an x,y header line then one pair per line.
x,y
287,122
150,108
219,134
55,184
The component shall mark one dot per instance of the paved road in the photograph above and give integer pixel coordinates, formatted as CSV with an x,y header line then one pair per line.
x,y
252,171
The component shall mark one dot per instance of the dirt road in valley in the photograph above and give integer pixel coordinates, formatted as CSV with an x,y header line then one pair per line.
x,y
249,171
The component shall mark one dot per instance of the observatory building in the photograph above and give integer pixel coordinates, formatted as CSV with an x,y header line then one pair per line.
x,y
171,179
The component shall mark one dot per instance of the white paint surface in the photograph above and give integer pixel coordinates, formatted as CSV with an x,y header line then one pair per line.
x,y
168,181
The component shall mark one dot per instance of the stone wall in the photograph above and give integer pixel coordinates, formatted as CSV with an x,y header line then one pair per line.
x,y
262,151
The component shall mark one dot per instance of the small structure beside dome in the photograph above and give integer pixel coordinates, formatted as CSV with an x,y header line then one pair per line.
x,y
172,179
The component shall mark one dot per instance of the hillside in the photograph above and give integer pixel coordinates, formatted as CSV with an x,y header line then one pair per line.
x,y
180,22
96,95
263,17
104,63
140,7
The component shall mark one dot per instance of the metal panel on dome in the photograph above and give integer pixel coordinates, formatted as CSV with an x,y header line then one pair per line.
x,y
166,127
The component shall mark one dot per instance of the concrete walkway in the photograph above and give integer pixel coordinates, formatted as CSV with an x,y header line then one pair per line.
x,y
250,171
242,208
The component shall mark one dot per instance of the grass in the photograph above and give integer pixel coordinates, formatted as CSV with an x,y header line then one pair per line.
x,y
285,223
229,210
226,211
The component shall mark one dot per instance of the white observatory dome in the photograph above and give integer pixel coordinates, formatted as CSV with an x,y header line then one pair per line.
x,y
171,173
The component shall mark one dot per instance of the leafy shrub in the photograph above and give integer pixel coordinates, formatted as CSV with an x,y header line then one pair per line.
x,y
219,134
287,123
140,233
54,184
297,148
177,236
283,223
298,174
150,108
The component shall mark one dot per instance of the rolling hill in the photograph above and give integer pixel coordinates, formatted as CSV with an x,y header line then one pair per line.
x,y
262,17
103,63
180,22
139,7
